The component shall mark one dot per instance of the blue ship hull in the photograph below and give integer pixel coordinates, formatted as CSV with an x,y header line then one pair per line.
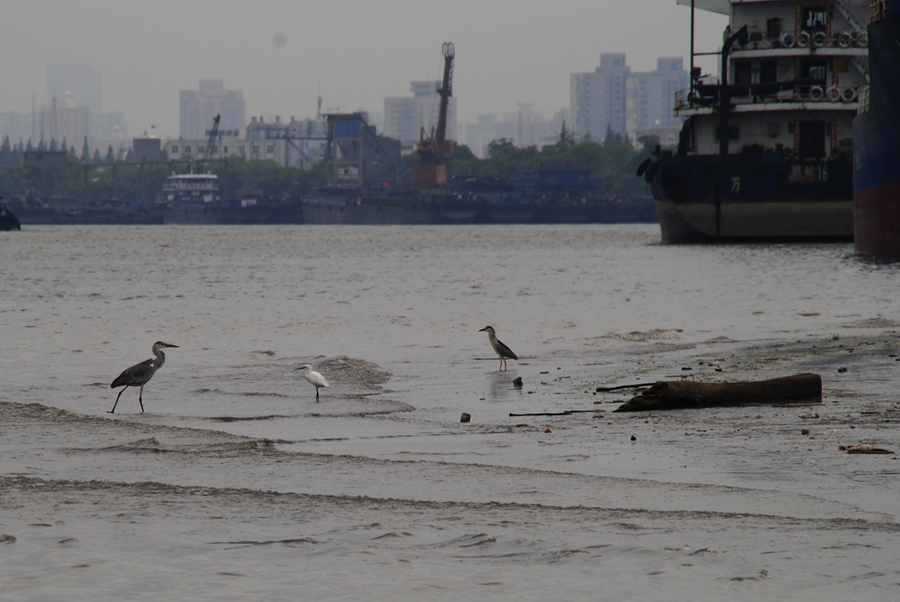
x,y
539,196
876,134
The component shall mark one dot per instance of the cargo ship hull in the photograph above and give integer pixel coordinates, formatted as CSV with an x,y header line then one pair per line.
x,y
876,134
360,212
380,211
219,213
752,197
535,196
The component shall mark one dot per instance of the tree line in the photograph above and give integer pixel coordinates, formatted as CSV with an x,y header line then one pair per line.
x,y
92,178
613,161
95,178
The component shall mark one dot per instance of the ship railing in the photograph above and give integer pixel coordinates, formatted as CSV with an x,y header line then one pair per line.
x,y
847,38
844,39
806,93
188,186
767,94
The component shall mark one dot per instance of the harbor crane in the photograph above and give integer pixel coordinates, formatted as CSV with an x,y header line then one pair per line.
x,y
435,150
211,140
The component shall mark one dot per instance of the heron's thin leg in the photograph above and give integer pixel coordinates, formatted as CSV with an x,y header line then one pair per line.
x,y
317,393
141,399
113,411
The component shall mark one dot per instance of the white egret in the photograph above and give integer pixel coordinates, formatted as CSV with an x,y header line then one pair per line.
x,y
316,379
139,374
502,350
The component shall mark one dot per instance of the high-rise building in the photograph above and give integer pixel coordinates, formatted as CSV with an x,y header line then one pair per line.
x,y
651,96
65,120
597,100
109,125
18,127
81,81
405,116
612,98
523,128
73,92
199,107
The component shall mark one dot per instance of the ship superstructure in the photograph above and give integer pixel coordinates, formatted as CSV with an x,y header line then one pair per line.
x,y
191,188
766,148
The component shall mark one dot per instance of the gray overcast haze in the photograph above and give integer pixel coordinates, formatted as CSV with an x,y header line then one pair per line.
x,y
283,53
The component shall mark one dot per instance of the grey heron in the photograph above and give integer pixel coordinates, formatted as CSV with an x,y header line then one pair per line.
x,y
139,374
316,379
502,350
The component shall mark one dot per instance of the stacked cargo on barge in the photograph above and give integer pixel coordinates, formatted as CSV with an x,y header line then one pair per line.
x,y
765,152
876,131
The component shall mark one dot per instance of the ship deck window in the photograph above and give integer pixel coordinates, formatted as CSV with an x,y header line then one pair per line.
x,y
815,19
742,73
768,72
816,70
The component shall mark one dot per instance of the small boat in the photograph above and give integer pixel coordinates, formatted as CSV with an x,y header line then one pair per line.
x,y
8,220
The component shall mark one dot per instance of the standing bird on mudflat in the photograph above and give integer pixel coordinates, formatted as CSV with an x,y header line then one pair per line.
x,y
316,379
139,374
502,350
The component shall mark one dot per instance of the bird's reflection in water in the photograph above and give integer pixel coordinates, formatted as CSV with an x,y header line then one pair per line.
x,y
501,387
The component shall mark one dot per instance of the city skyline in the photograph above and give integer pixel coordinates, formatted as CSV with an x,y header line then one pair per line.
x,y
645,99
284,55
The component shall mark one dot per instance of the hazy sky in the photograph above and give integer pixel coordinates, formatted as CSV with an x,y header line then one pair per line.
x,y
354,53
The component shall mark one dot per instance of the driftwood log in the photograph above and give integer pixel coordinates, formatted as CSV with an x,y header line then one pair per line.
x,y
799,388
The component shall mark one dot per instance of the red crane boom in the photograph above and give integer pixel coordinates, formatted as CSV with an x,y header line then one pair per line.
x,y
435,150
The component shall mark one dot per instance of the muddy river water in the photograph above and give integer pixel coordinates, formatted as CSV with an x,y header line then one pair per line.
x,y
235,484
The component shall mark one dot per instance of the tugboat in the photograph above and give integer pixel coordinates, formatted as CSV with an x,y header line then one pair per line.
x,y
192,199
8,220
876,131
765,153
